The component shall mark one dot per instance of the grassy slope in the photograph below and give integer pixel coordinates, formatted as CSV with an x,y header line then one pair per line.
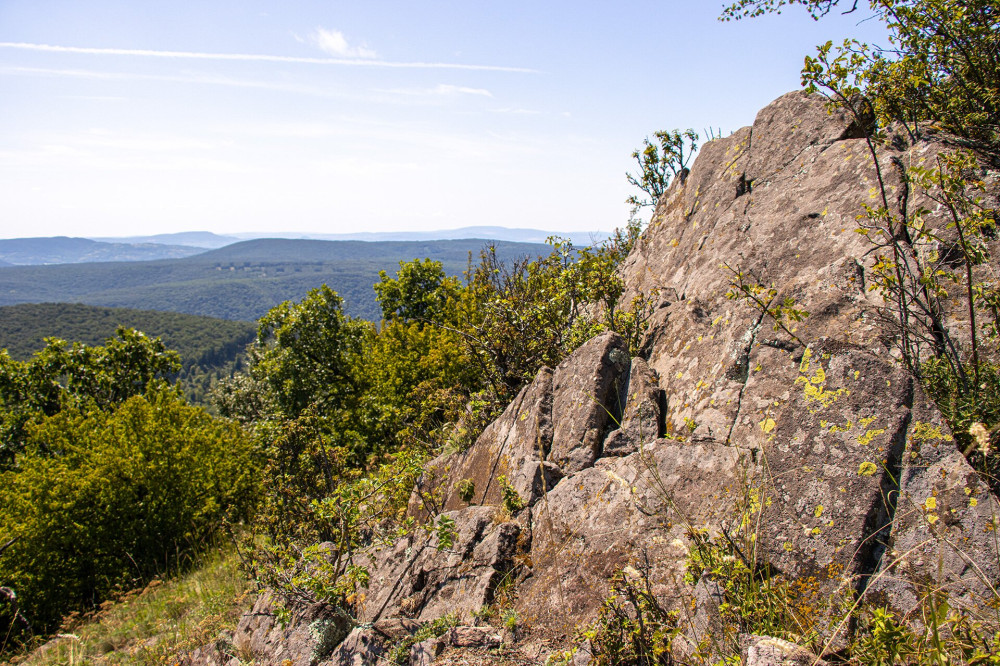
x,y
153,625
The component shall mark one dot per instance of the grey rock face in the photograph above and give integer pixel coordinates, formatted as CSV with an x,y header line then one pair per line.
x,y
640,421
599,520
943,536
361,647
586,391
310,636
425,652
851,474
414,579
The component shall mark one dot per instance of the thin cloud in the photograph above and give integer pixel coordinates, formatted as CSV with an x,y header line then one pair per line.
x,y
255,57
440,89
517,111
195,79
335,43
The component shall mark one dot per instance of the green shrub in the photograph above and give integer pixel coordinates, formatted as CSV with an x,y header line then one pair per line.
x,y
104,500
466,490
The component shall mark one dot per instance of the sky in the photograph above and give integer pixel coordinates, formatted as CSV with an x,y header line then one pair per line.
x,y
129,117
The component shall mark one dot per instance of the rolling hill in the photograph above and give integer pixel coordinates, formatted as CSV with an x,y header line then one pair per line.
x,y
210,348
244,280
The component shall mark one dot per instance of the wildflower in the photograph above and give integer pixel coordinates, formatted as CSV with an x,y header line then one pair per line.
x,y
982,437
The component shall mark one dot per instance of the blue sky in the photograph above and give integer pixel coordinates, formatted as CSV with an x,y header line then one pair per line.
x,y
131,117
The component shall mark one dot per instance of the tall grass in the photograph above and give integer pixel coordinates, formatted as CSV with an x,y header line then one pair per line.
x,y
153,626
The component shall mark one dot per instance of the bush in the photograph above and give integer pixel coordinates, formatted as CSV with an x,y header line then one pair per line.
x,y
104,500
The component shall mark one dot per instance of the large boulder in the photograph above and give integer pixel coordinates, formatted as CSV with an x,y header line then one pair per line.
x,y
586,392
309,636
623,509
556,425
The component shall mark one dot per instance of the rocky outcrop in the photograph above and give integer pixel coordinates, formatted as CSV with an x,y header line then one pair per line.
x,y
555,426
849,474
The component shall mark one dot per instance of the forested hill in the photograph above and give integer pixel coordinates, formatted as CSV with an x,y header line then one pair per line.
x,y
199,340
210,348
244,280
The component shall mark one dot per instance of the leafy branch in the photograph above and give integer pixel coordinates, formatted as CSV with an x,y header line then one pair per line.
x,y
746,286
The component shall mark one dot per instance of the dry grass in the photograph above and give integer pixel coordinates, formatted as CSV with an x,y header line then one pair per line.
x,y
153,625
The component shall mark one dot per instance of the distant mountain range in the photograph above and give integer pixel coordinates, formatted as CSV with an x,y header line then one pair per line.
x,y
65,250
242,281
489,233
201,239
68,250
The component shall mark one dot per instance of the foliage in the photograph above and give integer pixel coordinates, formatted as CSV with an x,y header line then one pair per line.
x,y
659,162
753,8
102,500
632,627
305,352
421,291
400,653
466,490
518,317
74,375
344,415
510,500
419,372
941,69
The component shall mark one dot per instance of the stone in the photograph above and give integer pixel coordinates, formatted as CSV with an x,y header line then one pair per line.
x,y
768,651
595,522
413,579
584,654
311,634
640,423
472,637
425,652
585,392
943,538
831,427
362,647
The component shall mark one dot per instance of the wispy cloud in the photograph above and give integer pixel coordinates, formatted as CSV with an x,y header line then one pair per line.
x,y
335,43
256,57
517,111
440,89
180,78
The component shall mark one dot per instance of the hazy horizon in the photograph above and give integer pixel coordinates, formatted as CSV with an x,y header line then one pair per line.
x,y
124,119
